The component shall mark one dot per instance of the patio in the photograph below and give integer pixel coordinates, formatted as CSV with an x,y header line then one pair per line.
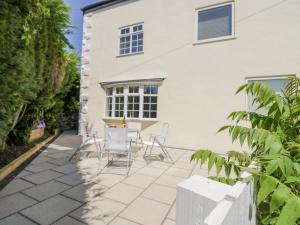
x,y
54,190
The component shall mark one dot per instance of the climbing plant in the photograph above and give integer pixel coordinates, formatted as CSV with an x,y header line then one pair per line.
x,y
274,141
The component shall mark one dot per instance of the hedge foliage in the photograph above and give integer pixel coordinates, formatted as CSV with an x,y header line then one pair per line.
x,y
37,74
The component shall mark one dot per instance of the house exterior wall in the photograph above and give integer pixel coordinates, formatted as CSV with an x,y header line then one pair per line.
x,y
198,93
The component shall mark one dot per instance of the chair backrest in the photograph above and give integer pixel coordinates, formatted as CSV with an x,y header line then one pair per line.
x,y
163,133
116,139
134,127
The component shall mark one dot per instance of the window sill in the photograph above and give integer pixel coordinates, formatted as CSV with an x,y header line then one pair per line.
x,y
131,54
131,119
212,40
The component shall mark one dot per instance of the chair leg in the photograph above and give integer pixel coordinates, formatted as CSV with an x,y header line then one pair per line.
x,y
146,150
166,153
128,163
151,148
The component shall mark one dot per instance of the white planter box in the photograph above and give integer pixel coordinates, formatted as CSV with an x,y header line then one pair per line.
x,y
195,199
201,201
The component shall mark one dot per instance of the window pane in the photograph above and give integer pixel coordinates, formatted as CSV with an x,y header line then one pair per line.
x,y
215,22
153,99
147,89
146,99
146,114
153,107
154,89
119,90
275,84
109,91
153,114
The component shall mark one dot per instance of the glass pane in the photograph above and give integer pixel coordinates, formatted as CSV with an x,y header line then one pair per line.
x,y
147,89
119,90
136,106
140,48
109,91
154,89
275,84
146,114
134,49
136,99
215,22
153,99
136,114
153,107
134,37
153,114
146,99
146,107
140,36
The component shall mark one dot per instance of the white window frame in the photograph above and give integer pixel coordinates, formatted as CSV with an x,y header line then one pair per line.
x,y
228,37
131,33
126,94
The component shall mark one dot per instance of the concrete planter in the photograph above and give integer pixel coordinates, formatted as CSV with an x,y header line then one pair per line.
x,y
202,201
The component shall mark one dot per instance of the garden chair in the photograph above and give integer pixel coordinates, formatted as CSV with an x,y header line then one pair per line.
x,y
158,141
134,132
116,142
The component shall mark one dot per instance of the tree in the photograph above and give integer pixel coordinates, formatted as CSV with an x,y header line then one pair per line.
x,y
33,61
275,144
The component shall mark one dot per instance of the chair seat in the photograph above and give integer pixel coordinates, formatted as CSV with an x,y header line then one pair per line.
x,y
150,143
117,148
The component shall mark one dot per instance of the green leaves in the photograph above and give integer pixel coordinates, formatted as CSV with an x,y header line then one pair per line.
x,y
274,139
267,186
290,212
280,195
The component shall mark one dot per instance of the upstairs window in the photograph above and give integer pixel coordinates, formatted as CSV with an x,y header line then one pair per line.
x,y
215,22
131,39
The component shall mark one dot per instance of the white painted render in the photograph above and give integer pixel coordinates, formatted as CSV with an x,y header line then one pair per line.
x,y
201,79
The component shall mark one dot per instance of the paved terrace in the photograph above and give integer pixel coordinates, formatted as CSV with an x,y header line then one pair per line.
x,y
54,190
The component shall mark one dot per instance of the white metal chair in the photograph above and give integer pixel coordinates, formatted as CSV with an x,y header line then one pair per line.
x,y
116,142
159,141
134,132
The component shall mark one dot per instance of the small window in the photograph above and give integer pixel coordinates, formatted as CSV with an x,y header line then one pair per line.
x,y
276,84
132,39
215,22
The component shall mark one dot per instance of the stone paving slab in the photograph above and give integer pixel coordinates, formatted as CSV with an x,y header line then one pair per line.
x,y
160,193
123,193
98,212
16,219
40,167
121,221
71,179
68,221
14,203
46,190
139,180
66,169
85,192
42,177
146,211
15,186
51,209
53,190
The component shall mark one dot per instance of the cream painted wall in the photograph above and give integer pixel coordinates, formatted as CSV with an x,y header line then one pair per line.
x,y
198,93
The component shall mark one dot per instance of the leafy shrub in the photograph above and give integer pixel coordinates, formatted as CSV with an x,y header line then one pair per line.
x,y
275,151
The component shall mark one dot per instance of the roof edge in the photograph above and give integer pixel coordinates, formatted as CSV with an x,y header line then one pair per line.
x,y
100,5
145,80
